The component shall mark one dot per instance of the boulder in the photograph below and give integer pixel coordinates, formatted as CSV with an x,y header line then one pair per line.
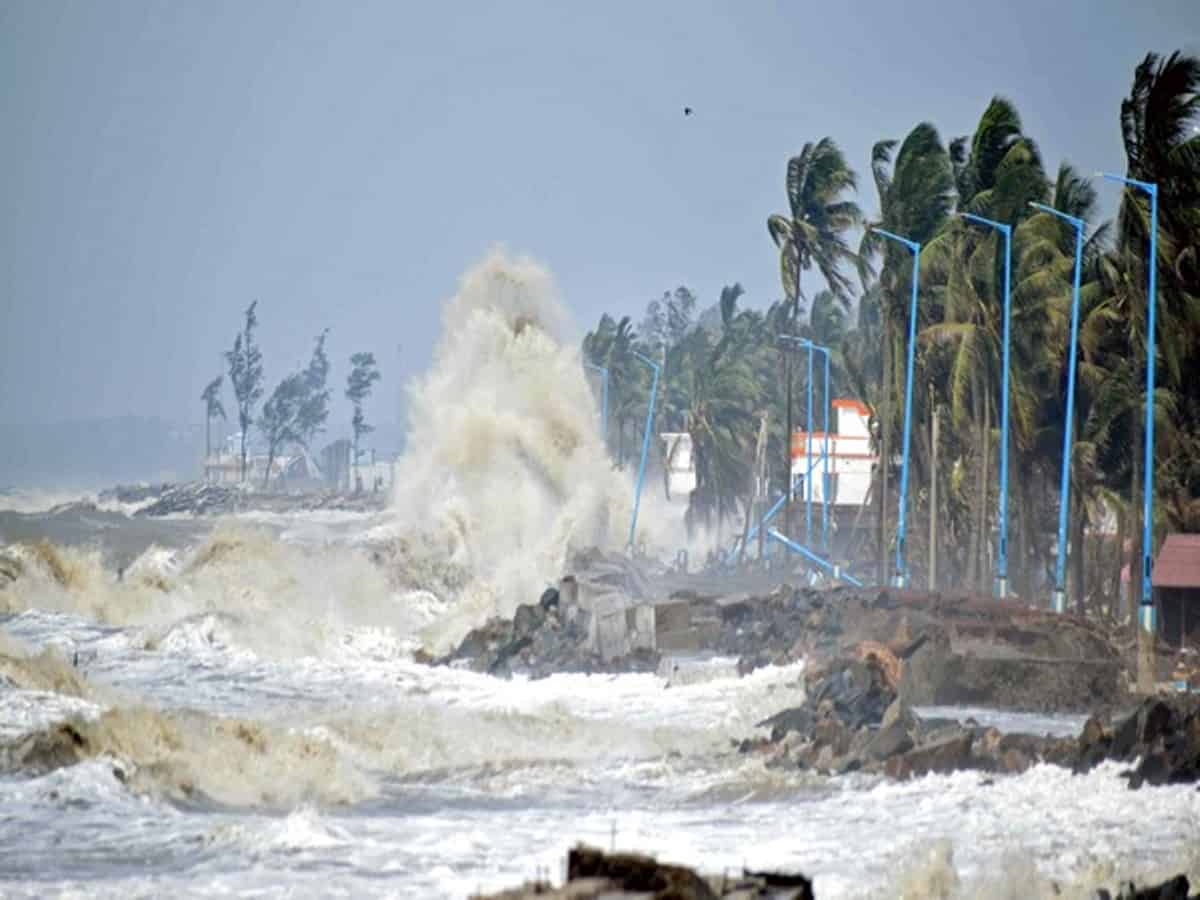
x,y
528,618
890,740
636,873
946,755
1173,889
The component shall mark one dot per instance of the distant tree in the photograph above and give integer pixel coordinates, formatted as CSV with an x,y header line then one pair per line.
x,y
212,409
246,376
314,409
280,419
363,375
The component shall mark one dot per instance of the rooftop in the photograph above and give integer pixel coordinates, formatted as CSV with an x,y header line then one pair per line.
x,y
1178,563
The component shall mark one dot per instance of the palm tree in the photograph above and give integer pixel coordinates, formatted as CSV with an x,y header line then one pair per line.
x,y
1160,146
1046,247
611,345
915,196
724,397
211,396
814,233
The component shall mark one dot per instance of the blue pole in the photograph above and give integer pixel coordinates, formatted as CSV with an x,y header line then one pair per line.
x,y
1146,610
835,570
637,494
603,398
1002,538
770,514
1064,488
825,478
900,577
808,476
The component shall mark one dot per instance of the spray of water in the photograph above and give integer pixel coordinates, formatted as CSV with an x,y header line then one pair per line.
x,y
506,469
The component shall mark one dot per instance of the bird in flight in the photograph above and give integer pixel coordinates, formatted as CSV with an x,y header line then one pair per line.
x,y
687,110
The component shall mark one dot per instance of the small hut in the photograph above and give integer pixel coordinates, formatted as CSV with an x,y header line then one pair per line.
x,y
1176,581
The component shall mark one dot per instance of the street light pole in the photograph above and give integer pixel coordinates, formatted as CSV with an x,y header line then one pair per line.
x,y
825,465
900,576
808,473
637,495
1002,541
1064,490
1146,610
818,348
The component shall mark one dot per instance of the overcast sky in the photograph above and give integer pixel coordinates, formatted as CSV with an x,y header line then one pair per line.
x,y
163,164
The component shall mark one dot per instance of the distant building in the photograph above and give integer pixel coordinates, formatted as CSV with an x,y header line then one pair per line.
x,y
851,461
679,463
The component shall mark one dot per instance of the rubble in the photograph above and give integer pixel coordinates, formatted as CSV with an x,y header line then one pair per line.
x,y
552,635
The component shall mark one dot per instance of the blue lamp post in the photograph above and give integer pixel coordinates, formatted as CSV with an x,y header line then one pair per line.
x,y
824,351
808,453
1064,490
818,348
1146,610
603,398
825,462
637,495
900,576
1002,540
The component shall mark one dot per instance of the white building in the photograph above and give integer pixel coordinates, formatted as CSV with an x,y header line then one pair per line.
x,y
850,460
677,458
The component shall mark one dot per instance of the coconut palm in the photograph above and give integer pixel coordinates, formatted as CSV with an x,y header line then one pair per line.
x,y
724,398
813,233
211,395
611,345
915,196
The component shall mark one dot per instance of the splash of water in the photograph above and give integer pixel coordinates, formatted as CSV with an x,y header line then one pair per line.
x,y
506,470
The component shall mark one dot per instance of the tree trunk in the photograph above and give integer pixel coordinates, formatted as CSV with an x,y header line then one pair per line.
x,y
985,449
1117,602
354,451
972,573
270,461
1135,522
1076,554
207,442
1030,560
244,428
933,492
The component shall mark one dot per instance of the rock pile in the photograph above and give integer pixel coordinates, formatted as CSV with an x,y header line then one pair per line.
x,y
542,638
595,875
1161,737
964,652
202,499
855,719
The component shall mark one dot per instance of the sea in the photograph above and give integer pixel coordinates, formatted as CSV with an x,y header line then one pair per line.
x,y
236,707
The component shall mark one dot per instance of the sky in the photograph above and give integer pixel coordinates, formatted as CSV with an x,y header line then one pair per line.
x,y
164,164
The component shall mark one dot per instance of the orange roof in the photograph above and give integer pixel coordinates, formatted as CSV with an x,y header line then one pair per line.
x,y
845,403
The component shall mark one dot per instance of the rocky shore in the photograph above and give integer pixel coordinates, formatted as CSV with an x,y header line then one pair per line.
x,y
872,658
595,875
854,719
201,499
